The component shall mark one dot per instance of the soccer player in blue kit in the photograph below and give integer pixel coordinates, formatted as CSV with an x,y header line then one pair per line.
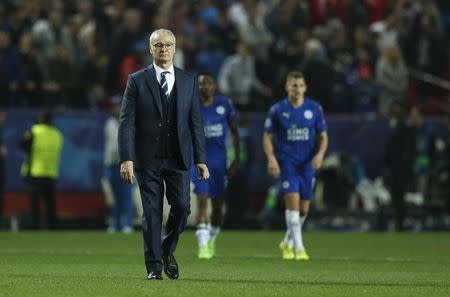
x,y
289,143
219,116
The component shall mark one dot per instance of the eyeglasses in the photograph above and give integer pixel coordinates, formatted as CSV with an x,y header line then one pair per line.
x,y
163,45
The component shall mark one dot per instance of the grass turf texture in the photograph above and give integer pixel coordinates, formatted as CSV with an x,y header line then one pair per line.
x,y
247,264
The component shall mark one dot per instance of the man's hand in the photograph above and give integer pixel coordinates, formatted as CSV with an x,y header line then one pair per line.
x,y
127,171
317,161
202,170
273,167
234,166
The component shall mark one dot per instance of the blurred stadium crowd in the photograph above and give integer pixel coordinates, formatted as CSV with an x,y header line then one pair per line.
x,y
357,55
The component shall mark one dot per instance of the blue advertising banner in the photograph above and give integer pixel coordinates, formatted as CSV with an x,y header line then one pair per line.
x,y
82,156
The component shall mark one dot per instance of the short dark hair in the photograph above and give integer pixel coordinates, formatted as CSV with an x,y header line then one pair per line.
x,y
295,75
45,117
206,73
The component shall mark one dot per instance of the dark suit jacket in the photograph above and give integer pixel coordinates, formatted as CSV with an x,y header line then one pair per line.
x,y
142,115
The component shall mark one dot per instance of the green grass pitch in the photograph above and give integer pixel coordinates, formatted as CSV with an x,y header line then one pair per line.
x,y
247,264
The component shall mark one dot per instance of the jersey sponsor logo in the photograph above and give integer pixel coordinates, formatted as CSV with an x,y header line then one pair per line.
x,y
220,109
285,114
285,184
213,130
268,123
308,114
297,134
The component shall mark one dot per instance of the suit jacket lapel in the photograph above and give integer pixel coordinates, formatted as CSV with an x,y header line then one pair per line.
x,y
150,77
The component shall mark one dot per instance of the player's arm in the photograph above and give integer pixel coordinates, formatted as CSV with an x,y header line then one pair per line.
x,y
323,145
236,145
272,165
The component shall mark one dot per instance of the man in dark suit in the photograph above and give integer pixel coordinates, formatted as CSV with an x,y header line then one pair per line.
x,y
160,123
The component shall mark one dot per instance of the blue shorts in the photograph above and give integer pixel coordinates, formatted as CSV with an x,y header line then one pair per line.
x,y
296,180
214,186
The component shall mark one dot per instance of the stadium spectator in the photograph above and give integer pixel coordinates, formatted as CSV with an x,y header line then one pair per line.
x,y
223,30
248,17
287,20
90,77
219,116
275,31
59,77
29,93
399,160
386,32
339,45
289,144
376,9
361,42
9,63
321,10
42,144
424,51
50,32
122,208
392,75
123,39
179,59
318,72
237,77
210,58
136,60
365,90
342,96
357,14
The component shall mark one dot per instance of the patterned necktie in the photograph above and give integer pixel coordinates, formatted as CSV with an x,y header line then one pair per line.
x,y
164,84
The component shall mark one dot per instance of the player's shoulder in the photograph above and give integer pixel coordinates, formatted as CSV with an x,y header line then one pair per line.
x,y
139,73
223,105
279,105
222,100
313,104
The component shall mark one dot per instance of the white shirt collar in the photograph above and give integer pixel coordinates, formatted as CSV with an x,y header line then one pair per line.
x,y
159,70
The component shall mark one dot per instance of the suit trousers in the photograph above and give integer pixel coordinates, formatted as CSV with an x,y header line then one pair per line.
x,y
163,175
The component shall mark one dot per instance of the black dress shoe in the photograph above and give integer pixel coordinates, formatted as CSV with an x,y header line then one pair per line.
x,y
170,266
154,275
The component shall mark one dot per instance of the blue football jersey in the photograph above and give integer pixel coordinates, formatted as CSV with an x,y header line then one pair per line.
x,y
216,118
294,129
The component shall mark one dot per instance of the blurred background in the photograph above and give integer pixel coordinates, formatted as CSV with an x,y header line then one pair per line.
x,y
380,69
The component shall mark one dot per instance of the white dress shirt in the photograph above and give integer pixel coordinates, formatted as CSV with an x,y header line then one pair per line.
x,y
170,77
